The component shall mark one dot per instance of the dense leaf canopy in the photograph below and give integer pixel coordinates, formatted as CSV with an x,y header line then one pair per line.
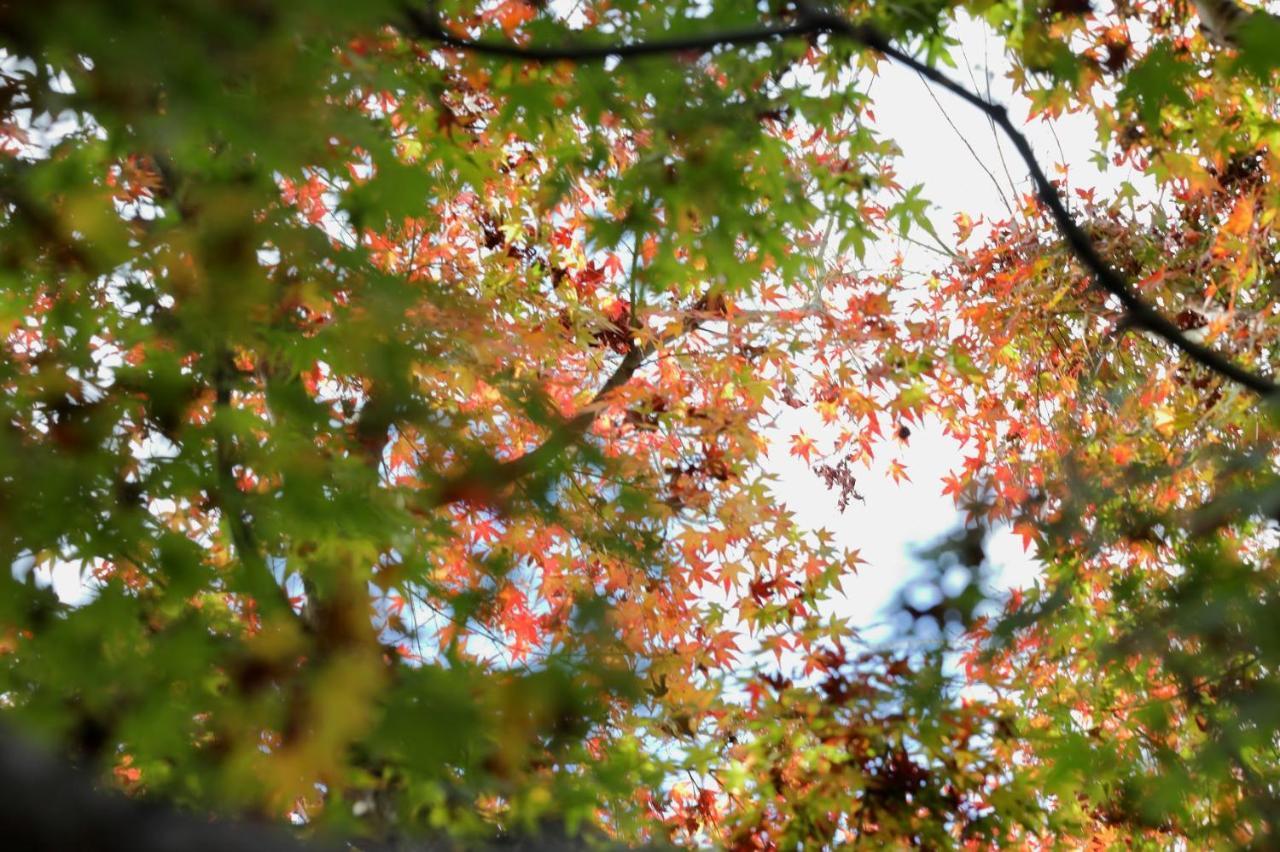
x,y
398,378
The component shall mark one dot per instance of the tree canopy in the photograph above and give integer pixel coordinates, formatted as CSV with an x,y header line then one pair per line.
x,y
398,377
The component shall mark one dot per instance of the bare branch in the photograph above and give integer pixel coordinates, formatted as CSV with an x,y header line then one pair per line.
x,y
487,478
50,806
426,25
811,21
226,492
1141,314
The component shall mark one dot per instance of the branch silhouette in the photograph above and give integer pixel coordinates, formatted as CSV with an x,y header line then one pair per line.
x,y
485,479
51,806
811,21
426,25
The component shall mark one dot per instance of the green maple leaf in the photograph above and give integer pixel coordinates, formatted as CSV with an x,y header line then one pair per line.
x,y
1159,80
1259,45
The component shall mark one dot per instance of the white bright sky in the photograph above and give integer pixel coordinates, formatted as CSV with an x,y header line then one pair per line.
x,y
936,138
896,520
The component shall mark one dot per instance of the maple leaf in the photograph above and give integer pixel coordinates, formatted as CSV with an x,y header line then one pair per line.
x,y
378,340
125,772
312,378
699,571
965,226
952,486
723,648
485,530
511,14
801,445
776,643
1027,533
1233,231
613,264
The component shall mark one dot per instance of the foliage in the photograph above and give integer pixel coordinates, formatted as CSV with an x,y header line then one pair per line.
x,y
402,403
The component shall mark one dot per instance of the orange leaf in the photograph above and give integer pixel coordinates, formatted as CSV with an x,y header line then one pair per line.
x,y
513,13
801,445
1241,218
1121,454
1027,533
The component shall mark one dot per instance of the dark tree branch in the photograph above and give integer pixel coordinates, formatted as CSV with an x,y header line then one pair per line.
x,y
426,25
46,228
485,479
50,807
812,21
1140,314
47,805
257,574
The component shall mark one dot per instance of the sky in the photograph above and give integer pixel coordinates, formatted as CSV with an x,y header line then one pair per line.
x,y
951,149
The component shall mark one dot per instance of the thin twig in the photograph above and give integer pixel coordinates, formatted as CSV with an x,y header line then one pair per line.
x,y
811,21
947,117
